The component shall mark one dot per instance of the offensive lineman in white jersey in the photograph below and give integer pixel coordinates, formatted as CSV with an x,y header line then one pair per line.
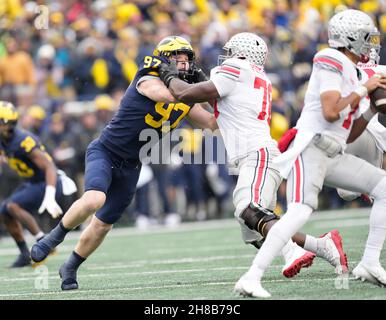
x,y
241,92
329,118
371,144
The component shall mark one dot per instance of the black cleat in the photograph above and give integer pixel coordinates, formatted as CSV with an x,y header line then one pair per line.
x,y
68,278
40,251
22,260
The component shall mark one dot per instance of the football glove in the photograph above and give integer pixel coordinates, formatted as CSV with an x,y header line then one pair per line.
x,y
194,76
49,203
167,72
199,76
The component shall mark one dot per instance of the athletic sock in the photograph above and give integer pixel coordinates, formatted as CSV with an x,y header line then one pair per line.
x,y
288,249
311,244
74,261
56,235
39,235
22,245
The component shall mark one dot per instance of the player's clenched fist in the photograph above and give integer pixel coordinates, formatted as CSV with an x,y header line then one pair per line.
x,y
167,72
376,81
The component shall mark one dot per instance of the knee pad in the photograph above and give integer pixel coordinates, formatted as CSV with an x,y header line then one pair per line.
x,y
379,192
256,218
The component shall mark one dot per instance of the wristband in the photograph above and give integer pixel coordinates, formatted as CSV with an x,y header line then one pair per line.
x,y
361,91
50,191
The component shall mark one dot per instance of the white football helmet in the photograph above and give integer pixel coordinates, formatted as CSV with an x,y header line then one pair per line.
x,y
248,46
354,30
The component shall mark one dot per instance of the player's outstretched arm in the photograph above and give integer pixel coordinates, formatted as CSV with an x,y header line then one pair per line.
x,y
193,93
156,90
183,92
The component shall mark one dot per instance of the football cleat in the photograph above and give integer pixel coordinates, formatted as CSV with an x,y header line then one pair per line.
x,y
300,258
347,195
21,261
333,251
68,278
374,274
37,264
40,251
250,288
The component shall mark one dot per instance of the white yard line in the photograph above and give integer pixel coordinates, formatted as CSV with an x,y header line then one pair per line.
x,y
31,276
339,223
82,291
320,224
332,215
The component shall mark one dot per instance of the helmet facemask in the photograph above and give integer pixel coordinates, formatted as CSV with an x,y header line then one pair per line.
x,y
370,43
185,75
173,46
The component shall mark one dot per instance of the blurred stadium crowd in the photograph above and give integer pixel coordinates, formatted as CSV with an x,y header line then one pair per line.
x,y
67,80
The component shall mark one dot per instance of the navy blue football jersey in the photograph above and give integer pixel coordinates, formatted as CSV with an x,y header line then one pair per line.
x,y
137,112
17,153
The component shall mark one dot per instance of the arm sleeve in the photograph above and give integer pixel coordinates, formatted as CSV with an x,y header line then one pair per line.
x,y
224,82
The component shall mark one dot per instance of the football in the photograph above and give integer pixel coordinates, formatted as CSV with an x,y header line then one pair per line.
x,y
378,99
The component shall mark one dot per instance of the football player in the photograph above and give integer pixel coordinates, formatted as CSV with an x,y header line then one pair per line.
x,y
315,157
41,188
371,144
241,94
112,160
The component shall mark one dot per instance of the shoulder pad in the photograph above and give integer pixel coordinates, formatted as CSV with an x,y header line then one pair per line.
x,y
150,64
234,62
327,59
230,67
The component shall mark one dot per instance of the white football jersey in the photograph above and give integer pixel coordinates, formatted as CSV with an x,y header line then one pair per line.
x,y
374,127
243,111
332,71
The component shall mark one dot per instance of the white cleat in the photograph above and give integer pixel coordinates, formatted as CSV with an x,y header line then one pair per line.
x,y
250,288
333,251
374,274
300,258
347,195
172,220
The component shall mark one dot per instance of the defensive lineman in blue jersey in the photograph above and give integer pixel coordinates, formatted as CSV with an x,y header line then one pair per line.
x,y
41,188
112,161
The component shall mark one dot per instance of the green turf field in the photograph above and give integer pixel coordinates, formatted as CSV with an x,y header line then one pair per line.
x,y
196,261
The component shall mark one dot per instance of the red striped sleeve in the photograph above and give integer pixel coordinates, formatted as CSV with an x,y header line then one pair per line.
x,y
230,69
330,62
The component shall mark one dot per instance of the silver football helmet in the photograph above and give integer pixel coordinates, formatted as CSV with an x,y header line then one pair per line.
x,y
354,30
248,46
